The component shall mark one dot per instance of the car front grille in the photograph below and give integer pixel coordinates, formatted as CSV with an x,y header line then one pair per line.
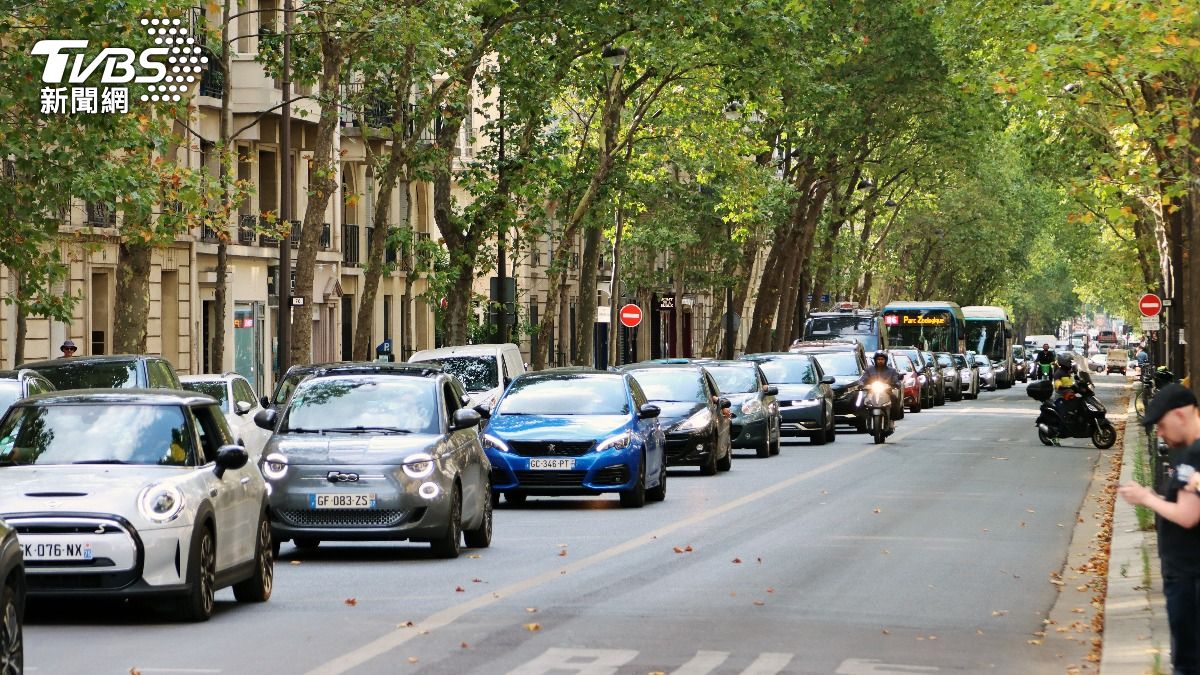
x,y
550,479
347,517
550,448
612,475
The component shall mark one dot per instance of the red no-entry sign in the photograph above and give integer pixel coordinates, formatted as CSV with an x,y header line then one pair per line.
x,y
631,316
1150,305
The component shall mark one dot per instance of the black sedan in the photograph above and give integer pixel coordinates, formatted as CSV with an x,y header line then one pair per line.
x,y
12,610
846,363
805,395
756,421
385,455
694,415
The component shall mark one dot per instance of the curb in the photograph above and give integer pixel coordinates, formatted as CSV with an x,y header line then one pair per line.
x,y
1136,635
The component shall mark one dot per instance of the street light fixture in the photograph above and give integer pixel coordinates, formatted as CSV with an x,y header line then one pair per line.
x,y
615,56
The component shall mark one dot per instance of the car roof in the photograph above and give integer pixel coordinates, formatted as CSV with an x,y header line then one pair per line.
x,y
210,377
740,363
110,358
419,369
776,355
122,397
460,350
571,370
661,365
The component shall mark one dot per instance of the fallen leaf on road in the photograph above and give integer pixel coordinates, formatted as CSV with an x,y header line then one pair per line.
x,y
978,631
1060,524
1081,589
477,581
1022,523
932,637
887,632
465,646
1058,582
877,509
759,561
134,671
677,549
737,561
985,529
688,548
1034,642
474,557
459,589
1005,459
533,627
1030,511
352,601
759,603
562,553
406,624
1000,612
295,562
886,552
824,492
531,610
413,659
1078,610
770,590
733,594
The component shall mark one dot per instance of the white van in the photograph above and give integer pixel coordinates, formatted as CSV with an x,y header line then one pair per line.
x,y
484,370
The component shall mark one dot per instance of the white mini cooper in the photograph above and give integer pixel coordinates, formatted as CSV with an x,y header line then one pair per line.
x,y
134,492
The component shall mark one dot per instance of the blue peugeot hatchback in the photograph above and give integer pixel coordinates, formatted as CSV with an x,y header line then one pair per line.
x,y
576,431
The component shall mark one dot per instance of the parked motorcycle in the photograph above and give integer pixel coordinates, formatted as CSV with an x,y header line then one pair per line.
x,y
876,398
1082,414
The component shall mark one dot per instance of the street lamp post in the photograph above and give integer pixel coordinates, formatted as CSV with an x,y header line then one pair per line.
x,y
284,329
615,57
502,233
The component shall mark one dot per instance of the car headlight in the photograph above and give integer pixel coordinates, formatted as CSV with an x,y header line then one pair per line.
x,y
923,379
696,422
878,387
418,465
490,441
617,442
752,407
161,503
274,466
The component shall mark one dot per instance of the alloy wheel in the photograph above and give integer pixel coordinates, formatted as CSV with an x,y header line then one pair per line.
x,y
12,652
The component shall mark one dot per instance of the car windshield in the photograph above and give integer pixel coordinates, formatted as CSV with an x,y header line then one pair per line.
x,y
823,327
671,384
92,375
839,363
283,390
96,433
789,370
901,363
945,361
10,393
959,360
734,379
354,403
566,394
213,388
477,373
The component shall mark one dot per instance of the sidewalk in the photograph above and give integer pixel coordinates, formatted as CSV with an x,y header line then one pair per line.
x,y
1136,638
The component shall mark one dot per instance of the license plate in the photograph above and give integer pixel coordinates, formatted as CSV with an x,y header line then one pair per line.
x,y
57,551
345,500
552,463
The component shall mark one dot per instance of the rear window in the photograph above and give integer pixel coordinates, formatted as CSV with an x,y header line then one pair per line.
x,y
92,375
215,389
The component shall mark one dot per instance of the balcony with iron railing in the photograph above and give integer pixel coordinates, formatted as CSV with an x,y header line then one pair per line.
x,y
212,81
100,215
247,229
350,244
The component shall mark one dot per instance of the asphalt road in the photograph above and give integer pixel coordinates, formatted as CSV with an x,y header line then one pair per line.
x,y
930,553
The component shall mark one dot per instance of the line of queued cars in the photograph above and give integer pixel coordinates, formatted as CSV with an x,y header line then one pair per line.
x,y
119,479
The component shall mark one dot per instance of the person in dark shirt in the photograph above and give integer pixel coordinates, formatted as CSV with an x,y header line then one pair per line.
x,y
880,370
1043,357
1175,411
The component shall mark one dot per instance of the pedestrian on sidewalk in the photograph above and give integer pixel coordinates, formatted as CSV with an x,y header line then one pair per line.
x,y
68,348
1174,409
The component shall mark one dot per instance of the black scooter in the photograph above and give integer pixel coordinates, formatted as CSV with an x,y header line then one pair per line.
x,y
1085,416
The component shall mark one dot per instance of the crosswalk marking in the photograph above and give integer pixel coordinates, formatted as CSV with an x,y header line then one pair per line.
x,y
768,663
702,663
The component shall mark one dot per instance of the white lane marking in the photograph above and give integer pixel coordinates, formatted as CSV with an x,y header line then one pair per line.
x,y
702,663
177,670
581,661
768,663
874,667
445,617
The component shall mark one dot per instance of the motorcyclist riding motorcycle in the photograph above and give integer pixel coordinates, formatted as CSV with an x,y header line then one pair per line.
x,y
880,370
1044,357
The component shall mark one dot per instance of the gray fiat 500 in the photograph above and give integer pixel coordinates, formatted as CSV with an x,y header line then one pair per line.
x,y
378,452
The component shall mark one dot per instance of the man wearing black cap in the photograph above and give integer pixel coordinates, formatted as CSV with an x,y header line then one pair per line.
x,y
1175,412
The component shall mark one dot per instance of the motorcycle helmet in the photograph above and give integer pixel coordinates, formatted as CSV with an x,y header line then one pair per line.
x,y
1065,360
880,355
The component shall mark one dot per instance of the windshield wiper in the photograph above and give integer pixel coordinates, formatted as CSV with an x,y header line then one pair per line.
x,y
102,461
299,430
361,430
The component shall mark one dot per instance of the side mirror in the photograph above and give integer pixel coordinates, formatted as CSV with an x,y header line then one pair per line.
x,y
264,402
648,411
725,403
243,407
484,411
265,419
771,390
828,379
230,457
464,418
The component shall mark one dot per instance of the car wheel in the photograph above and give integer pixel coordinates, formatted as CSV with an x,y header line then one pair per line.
x,y
958,395
709,467
515,498
775,444
306,543
916,405
257,588
449,545
659,492
636,498
495,499
198,603
763,450
481,537
831,432
12,642
726,462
